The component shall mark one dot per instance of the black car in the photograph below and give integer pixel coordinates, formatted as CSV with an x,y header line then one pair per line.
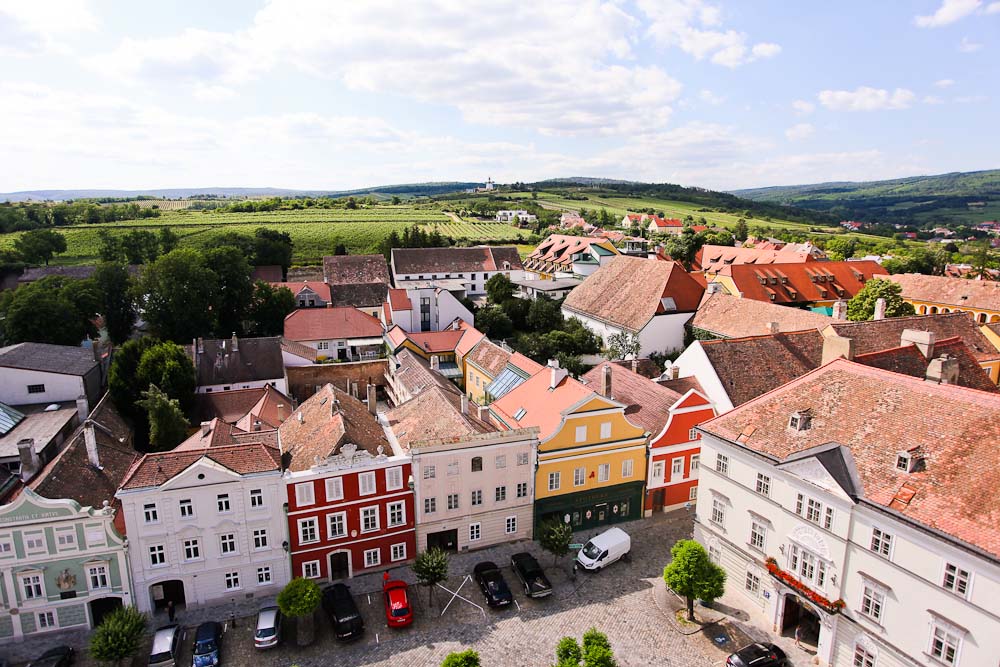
x,y
60,656
492,583
339,605
758,655
206,645
527,569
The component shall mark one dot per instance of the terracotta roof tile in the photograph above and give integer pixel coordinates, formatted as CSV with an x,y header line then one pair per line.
x,y
957,292
683,385
434,342
434,414
399,300
354,269
877,335
298,349
470,338
529,366
407,261
713,258
802,283
414,374
542,405
317,286
732,317
243,459
647,403
908,360
560,248
489,357
328,323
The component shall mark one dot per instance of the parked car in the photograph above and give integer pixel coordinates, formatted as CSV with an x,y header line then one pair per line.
x,y
758,655
343,612
492,583
207,638
398,611
59,656
604,549
268,630
527,569
166,642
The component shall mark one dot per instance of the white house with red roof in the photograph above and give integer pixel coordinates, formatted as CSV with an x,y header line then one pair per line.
x,y
345,334
424,308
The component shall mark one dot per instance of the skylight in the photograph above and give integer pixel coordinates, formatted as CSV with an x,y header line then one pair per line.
x,y
519,415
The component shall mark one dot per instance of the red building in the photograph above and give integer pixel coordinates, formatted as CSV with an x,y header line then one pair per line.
x,y
669,411
350,501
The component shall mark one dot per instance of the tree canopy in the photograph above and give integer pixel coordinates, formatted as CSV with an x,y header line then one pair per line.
x,y
862,306
40,245
555,536
692,574
55,309
119,636
167,424
118,304
467,658
180,291
431,568
300,597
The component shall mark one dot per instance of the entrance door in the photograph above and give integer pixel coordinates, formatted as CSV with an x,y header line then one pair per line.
x,y
601,512
340,565
658,500
101,607
445,539
792,615
167,591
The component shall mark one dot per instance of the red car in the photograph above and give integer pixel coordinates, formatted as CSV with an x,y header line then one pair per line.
x,y
398,611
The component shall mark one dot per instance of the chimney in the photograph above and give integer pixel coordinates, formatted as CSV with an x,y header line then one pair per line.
x,y
635,366
194,352
671,371
435,362
354,390
943,370
879,309
300,417
256,424
90,439
465,404
82,407
556,374
484,413
95,347
773,327
835,347
371,398
840,310
606,380
326,280
236,343
29,458
206,428
334,407
201,346
924,340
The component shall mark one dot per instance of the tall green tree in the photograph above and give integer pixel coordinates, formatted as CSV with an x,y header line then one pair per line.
x,y
117,300
493,322
684,246
167,240
299,600
167,424
623,345
272,247
234,289
55,309
180,294
741,232
123,380
109,247
862,307
119,636
840,248
268,309
467,658
693,575
499,289
544,314
40,245
431,568
555,536
139,246
169,367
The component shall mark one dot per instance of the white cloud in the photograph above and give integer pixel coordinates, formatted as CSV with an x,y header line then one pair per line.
x,y
708,97
692,26
969,46
41,25
944,83
993,8
803,107
949,12
933,99
866,99
971,99
799,132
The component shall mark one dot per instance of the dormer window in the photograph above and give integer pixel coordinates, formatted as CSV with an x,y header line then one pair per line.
x,y
908,461
799,421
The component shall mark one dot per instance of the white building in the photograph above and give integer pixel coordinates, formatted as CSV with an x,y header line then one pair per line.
x,y
205,525
512,216
39,373
471,266
226,364
345,334
860,505
419,308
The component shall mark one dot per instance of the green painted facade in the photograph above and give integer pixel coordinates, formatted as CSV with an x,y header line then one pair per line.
x,y
597,507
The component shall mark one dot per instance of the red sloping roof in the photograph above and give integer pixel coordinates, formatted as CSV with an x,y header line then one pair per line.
x,y
960,292
470,338
908,360
518,360
324,323
436,341
648,404
317,286
542,406
802,283
666,222
243,459
398,300
713,258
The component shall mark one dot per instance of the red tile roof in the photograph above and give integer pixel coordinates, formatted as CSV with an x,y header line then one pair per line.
x,y
318,286
489,357
560,248
713,258
955,292
355,269
434,414
732,317
408,261
470,338
434,342
330,323
908,360
647,403
875,335
243,459
398,300
802,283
530,366
543,406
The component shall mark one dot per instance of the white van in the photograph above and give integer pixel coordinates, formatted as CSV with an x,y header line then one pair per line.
x,y
604,549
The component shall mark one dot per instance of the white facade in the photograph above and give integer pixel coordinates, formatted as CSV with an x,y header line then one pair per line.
x,y
912,596
694,362
217,532
278,383
510,216
23,387
474,281
347,349
663,333
431,309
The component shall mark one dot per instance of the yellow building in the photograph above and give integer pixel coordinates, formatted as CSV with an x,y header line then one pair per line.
x,y
491,371
944,294
444,350
591,466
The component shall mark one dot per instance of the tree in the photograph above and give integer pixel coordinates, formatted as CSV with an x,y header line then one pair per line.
x,y
544,314
568,652
493,322
180,293
119,636
272,247
118,305
840,248
140,246
862,306
167,240
741,231
167,424
169,367
40,245
109,247
340,249
396,200
234,289
623,345
123,382
693,575
54,310
467,658
299,599
431,568
555,536
499,289
596,651
268,308
683,248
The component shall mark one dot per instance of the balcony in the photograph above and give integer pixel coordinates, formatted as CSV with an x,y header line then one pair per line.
x,y
790,580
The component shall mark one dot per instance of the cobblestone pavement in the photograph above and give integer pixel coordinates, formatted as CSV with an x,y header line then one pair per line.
x,y
618,601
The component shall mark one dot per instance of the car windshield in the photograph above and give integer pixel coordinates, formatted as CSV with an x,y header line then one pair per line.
x,y
263,633
591,551
204,646
205,660
400,610
158,658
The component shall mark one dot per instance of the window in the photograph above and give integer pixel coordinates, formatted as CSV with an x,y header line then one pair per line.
x,y
232,581
429,472
36,388
304,494
308,530
323,345
97,577
752,584
453,501
369,519
763,484
956,579
500,494
944,645
430,505
714,554
676,468
157,555
693,493
758,534
373,557
397,514
192,549
519,415
828,518
627,468
523,459
862,658
807,565
657,474
501,461
366,483
66,539
477,497
336,525
222,500
260,538
334,488
256,499
603,472
453,469
814,511
310,570
579,476
522,489
881,542
511,524
227,543
393,479
263,575
398,551
553,481
872,601
186,508
6,547
475,532
605,430
692,434
150,514
477,464
718,512
695,459
581,434
31,585
46,620
34,542
722,463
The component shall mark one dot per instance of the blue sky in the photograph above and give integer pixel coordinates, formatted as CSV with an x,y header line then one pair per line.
x,y
333,95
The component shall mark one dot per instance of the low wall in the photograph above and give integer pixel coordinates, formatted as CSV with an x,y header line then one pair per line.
x,y
303,380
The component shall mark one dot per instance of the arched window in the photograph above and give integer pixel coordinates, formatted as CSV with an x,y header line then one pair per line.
x,y
477,464
982,318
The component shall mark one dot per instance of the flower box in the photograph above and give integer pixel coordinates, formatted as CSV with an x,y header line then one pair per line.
x,y
789,579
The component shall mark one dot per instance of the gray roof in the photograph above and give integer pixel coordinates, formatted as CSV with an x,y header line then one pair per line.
x,y
361,295
548,285
254,359
62,359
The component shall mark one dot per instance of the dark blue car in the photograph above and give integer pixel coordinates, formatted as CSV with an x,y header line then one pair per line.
x,y
206,645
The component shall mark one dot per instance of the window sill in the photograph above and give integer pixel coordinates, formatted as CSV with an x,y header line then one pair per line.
x,y
869,619
370,531
939,661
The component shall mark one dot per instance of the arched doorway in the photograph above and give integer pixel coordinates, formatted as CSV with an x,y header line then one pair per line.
x,y
167,591
340,565
101,607
799,615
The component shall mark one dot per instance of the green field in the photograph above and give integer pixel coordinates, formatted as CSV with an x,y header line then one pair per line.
x,y
314,232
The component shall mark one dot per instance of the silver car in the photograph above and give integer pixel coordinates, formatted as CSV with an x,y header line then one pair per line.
x,y
268,632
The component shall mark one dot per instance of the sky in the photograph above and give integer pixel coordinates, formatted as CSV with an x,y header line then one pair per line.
x,y
319,94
